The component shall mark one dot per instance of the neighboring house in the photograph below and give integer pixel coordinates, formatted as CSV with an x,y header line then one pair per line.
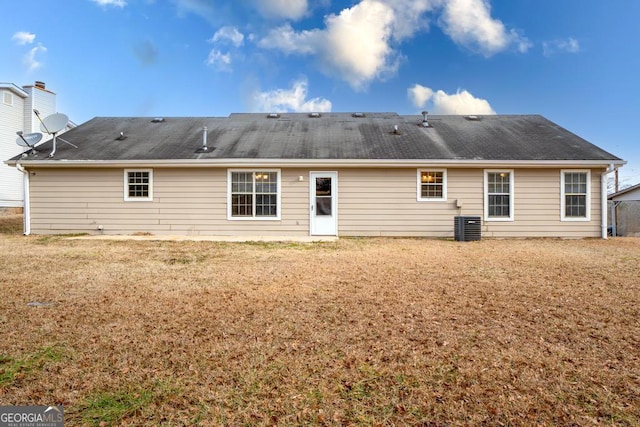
x,y
16,114
363,174
625,211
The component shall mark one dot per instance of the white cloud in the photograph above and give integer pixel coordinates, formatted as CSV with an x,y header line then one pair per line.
x,y
228,34
409,16
116,3
31,61
469,24
283,9
461,102
219,60
355,44
23,37
569,45
289,100
286,39
419,95
359,44
224,36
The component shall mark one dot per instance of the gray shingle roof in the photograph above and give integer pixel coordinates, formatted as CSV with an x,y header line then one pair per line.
x,y
331,136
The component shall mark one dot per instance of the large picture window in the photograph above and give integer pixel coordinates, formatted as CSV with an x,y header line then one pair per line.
x,y
254,194
138,185
498,195
432,185
575,201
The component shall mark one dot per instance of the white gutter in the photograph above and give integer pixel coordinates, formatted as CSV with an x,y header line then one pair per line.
x,y
353,163
27,200
603,199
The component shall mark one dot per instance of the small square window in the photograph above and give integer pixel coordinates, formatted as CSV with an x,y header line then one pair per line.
x,y
432,185
138,185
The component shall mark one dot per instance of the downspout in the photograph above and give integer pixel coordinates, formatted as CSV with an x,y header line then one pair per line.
x,y
27,201
603,201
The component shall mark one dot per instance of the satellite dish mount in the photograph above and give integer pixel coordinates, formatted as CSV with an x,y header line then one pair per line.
x,y
52,125
29,140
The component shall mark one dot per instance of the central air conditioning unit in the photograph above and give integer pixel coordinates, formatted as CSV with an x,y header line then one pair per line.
x,y
467,228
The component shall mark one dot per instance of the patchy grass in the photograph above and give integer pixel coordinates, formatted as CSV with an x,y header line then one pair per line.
x,y
112,407
354,332
115,407
11,224
13,370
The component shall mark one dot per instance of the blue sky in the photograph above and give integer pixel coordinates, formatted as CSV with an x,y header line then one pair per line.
x,y
576,62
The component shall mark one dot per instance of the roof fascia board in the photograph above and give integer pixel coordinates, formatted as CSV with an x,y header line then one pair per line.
x,y
625,191
12,87
314,163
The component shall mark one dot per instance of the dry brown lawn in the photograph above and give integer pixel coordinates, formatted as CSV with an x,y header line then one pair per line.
x,y
354,332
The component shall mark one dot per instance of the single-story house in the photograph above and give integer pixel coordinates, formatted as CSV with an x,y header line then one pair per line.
x,y
340,174
625,212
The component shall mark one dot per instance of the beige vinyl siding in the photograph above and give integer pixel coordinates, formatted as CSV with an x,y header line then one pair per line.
x,y
383,202
185,202
371,202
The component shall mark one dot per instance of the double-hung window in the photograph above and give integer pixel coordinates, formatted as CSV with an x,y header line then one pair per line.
x,y
7,97
138,185
432,185
575,200
254,194
498,195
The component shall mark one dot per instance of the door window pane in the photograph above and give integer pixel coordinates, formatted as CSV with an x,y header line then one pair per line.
x,y
323,196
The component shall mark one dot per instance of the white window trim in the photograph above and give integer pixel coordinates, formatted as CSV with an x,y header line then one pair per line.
x,y
126,186
257,218
4,98
563,217
444,185
512,195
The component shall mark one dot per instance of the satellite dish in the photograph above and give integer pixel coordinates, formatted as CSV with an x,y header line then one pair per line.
x,y
28,140
54,123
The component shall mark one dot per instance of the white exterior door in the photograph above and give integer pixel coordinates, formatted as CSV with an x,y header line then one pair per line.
x,y
324,203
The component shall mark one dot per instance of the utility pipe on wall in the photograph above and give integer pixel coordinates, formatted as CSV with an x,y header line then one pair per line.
x,y
603,199
27,202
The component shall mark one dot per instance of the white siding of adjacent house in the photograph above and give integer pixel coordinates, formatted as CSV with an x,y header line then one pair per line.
x,y
11,121
371,202
41,100
19,117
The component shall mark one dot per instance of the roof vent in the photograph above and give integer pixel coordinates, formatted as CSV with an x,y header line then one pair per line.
x,y
358,115
157,120
425,122
121,137
40,85
315,115
273,116
473,118
205,148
